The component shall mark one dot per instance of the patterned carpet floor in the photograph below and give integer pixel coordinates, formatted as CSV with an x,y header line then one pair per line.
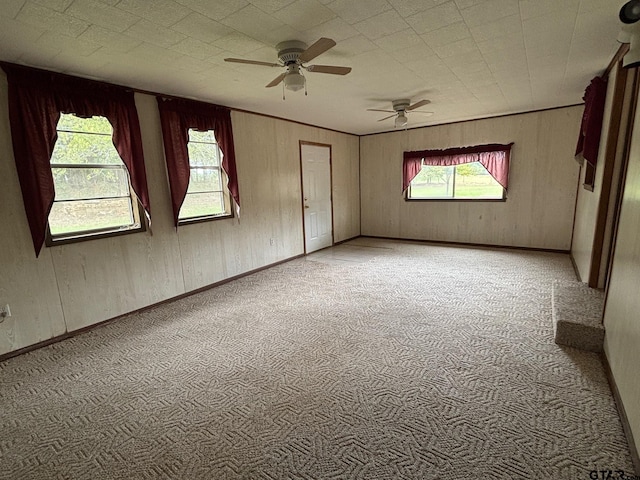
x,y
371,360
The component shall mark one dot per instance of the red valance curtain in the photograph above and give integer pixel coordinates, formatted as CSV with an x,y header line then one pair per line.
x,y
494,157
177,116
591,127
36,100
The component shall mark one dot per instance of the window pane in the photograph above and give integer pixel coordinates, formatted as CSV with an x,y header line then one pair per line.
x,y
69,121
86,183
204,180
79,148
473,181
201,205
433,182
88,199
203,154
196,136
73,217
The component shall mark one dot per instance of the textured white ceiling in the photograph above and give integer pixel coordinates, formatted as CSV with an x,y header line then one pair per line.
x,y
471,58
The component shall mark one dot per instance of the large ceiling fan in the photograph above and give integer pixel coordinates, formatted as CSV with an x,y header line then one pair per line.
x,y
400,109
293,55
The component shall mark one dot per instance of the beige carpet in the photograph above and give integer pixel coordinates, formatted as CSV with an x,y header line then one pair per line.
x,y
372,360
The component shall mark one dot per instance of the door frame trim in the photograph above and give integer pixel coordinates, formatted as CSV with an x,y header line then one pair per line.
x,y
610,156
622,180
316,144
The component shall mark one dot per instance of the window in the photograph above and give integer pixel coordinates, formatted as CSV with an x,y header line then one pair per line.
x,y
201,166
92,190
206,195
469,181
37,101
476,173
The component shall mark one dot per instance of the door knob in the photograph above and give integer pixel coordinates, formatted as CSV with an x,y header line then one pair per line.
x,y
306,206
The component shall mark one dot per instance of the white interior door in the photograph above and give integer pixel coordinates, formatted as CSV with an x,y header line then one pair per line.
x,y
316,194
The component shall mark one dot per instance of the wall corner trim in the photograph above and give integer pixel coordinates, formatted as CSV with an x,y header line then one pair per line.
x,y
575,266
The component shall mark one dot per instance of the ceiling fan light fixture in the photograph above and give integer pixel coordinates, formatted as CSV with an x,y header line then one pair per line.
x,y
294,82
401,120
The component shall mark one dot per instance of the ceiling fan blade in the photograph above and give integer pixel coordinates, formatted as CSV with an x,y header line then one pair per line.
x,y
387,118
277,80
378,110
428,114
419,104
252,62
316,49
332,69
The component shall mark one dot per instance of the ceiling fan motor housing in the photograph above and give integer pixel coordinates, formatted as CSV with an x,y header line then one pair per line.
x,y
288,52
401,105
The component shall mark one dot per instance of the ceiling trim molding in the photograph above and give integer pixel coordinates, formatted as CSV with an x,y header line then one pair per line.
x,y
501,115
292,121
233,109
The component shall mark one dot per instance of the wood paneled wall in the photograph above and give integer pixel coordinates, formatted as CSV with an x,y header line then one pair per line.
x,y
76,285
542,183
621,318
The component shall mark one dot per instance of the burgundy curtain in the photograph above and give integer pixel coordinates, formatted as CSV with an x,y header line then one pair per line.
x,y
177,116
494,157
36,99
410,168
591,127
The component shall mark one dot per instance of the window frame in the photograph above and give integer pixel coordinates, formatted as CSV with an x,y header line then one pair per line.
x,y
408,198
223,179
136,209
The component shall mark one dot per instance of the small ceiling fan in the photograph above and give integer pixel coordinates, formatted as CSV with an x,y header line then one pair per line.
x,y
401,108
293,55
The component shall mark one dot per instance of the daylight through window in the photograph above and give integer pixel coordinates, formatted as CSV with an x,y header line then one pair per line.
x,y
206,195
469,181
92,191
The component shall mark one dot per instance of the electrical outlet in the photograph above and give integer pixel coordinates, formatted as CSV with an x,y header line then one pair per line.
x,y
271,241
5,311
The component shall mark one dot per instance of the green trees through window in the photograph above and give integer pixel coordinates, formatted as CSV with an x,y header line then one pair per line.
x,y
206,196
468,181
92,190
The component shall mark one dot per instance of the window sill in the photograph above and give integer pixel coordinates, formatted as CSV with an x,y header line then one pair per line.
x,y
475,200
51,241
211,218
